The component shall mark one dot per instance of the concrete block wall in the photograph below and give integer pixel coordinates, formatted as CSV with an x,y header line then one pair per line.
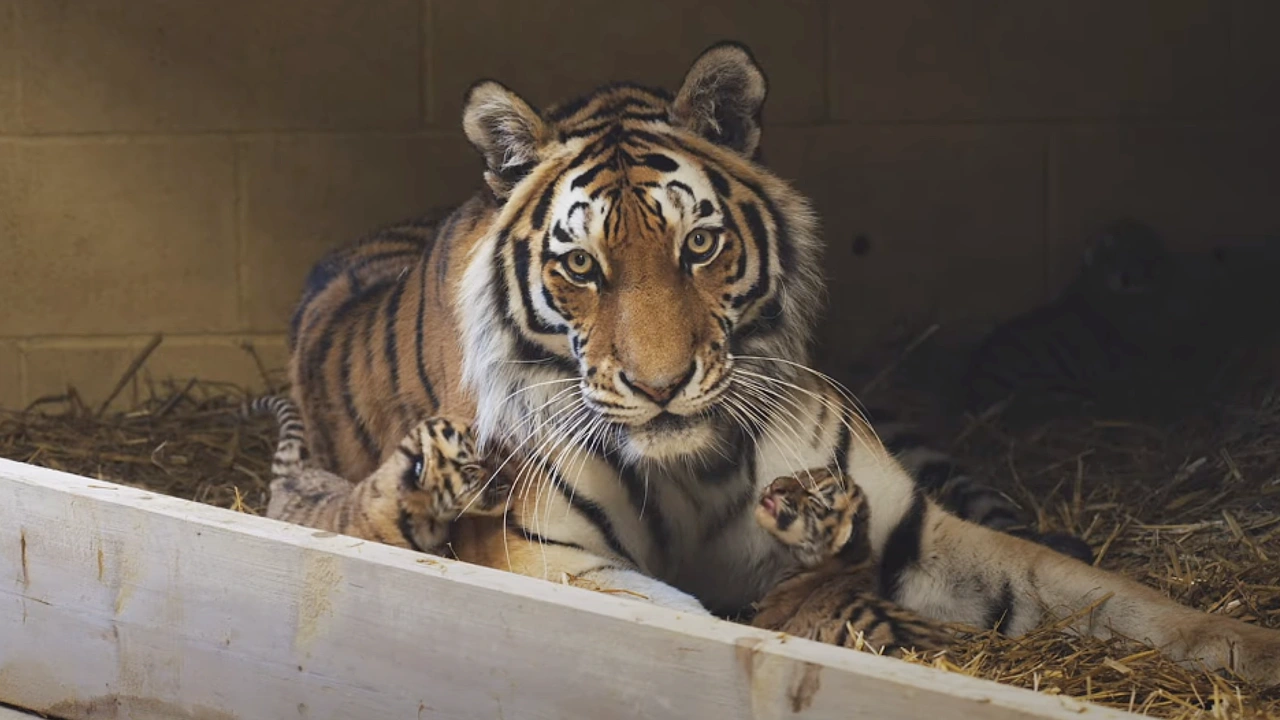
x,y
176,167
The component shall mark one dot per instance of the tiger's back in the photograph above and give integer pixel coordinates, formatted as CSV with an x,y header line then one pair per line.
x,y
372,343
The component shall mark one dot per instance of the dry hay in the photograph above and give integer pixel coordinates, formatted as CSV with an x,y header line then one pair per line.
x,y
1191,509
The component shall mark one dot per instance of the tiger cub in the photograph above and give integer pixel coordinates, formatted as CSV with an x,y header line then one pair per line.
x,y
822,518
1113,341
409,501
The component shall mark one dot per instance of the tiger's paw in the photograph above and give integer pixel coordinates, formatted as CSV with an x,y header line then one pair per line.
x,y
1250,651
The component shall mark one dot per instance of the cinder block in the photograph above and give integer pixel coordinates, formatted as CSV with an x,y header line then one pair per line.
x,y
1191,184
132,65
939,59
219,360
10,376
304,196
552,50
923,224
9,59
94,368
92,371
117,237
1255,64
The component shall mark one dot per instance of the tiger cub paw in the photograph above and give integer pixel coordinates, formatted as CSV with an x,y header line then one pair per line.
x,y
449,469
813,512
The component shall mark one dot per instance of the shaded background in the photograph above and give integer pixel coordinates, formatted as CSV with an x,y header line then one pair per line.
x,y
176,167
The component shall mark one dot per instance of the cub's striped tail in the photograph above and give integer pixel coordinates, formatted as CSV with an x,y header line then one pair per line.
x,y
291,447
949,483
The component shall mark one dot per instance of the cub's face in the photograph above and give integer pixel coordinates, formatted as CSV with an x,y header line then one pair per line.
x,y
640,265
812,513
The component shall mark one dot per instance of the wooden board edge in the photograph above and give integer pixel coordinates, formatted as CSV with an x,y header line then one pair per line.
x,y
752,645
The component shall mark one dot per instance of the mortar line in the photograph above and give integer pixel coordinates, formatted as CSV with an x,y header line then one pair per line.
x,y
238,230
426,104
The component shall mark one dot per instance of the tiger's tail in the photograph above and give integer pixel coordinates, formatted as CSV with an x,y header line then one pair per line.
x,y
291,446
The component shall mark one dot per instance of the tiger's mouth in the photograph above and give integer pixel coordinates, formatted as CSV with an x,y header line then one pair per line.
x,y
668,422
668,436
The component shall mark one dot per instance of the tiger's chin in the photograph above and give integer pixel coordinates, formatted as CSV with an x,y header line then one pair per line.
x,y
669,437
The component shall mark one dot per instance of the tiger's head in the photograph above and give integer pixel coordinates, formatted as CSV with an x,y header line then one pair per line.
x,y
641,264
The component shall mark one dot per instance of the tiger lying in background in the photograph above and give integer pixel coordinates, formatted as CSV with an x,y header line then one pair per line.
x,y
820,517
409,501
625,311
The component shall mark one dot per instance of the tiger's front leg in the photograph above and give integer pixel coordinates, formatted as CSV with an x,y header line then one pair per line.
x,y
955,571
495,543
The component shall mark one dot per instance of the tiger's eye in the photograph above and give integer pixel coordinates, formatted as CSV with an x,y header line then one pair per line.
x,y
700,245
580,264
700,242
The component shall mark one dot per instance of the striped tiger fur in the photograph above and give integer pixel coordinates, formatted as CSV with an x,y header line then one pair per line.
x,y
820,517
625,310
409,501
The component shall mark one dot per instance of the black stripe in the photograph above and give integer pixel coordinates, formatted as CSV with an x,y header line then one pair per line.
x,y
561,234
647,502
317,281
902,550
740,269
532,536
521,257
348,400
659,162
585,178
767,322
844,440
364,261
905,441
999,615
842,635
936,473
676,184
539,215
419,340
389,349
593,514
619,106
404,523
718,182
760,238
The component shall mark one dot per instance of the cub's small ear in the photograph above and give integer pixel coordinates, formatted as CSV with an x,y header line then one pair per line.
x,y
507,132
722,96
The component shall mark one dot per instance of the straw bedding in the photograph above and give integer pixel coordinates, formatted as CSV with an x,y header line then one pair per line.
x,y
1191,507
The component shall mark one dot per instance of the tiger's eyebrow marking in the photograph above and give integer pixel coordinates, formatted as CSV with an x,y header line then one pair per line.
x,y
676,191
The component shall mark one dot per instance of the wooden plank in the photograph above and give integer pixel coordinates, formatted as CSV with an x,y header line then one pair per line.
x,y
8,713
120,603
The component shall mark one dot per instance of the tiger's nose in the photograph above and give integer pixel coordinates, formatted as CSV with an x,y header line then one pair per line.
x,y
656,390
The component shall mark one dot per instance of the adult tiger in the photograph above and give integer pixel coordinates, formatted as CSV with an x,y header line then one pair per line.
x,y
627,308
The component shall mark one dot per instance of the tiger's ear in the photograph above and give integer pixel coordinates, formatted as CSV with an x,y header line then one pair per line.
x,y
507,132
722,96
